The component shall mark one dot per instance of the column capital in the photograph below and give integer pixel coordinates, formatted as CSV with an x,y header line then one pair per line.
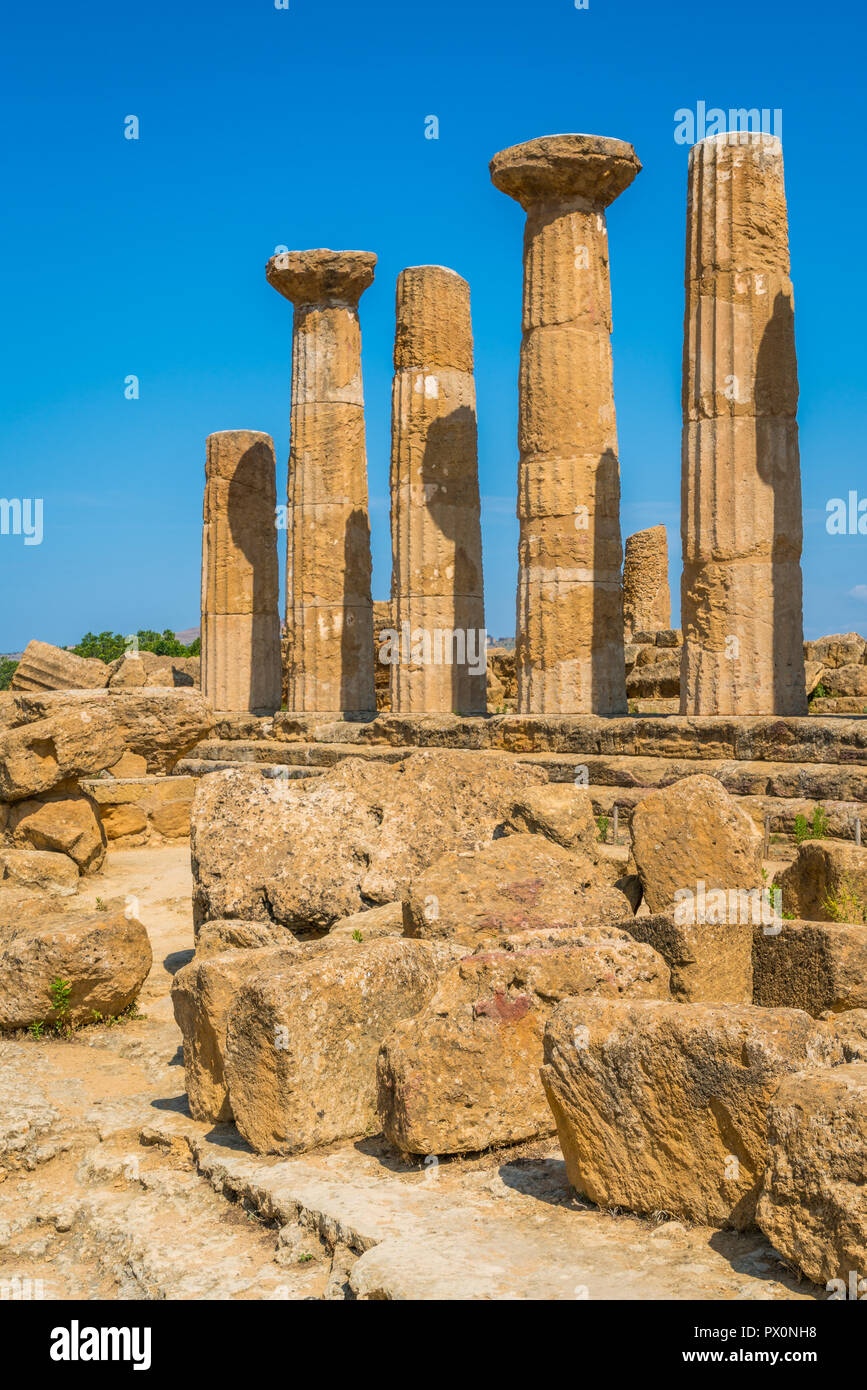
x,y
322,276
558,167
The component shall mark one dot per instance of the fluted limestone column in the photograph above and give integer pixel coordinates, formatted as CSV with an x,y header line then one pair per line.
x,y
646,595
328,560
240,608
741,596
438,605
569,654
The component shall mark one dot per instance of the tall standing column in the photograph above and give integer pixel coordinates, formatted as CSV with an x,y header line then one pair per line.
x,y
438,604
329,609
646,595
240,579
741,595
569,654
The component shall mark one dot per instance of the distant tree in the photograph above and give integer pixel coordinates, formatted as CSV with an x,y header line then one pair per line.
x,y
108,646
7,671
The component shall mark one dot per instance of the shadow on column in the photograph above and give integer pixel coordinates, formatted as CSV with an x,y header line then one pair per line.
x,y
355,650
607,608
251,525
776,370
451,441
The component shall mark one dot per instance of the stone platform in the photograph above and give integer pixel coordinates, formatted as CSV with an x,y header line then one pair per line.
x,y
781,767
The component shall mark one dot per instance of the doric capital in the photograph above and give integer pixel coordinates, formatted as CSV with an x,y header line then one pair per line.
x,y
321,277
559,167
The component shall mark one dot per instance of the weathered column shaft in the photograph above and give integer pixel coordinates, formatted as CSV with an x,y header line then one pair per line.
x,y
329,610
741,488
240,607
646,595
439,663
569,653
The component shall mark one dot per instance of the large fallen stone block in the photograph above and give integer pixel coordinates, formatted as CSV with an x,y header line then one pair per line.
x,y
38,869
850,1030
463,1074
845,681
234,935
307,853
709,962
813,1205
812,966
302,1041
53,740
45,667
67,825
202,994
561,812
103,957
663,1107
827,882
517,884
840,649
138,669
694,832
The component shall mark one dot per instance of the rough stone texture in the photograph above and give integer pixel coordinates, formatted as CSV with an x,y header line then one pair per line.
x,y
302,1041
36,868
44,667
435,507
463,1074
709,963
741,601
562,813
827,882
515,885
813,1206
690,833
138,669
850,1030
838,649
51,741
846,681
68,825
646,596
663,1106
569,654
372,923
202,994
241,659
311,852
232,935
142,810
654,672
104,958
382,621
329,614
813,966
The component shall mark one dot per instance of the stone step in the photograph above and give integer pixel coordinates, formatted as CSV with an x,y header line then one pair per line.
x,y
199,767
782,811
164,1233
814,739
504,1226
833,782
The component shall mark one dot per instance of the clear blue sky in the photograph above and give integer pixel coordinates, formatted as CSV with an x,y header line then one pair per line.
x,y
305,127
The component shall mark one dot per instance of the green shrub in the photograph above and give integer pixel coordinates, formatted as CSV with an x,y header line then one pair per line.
x,y
108,646
7,671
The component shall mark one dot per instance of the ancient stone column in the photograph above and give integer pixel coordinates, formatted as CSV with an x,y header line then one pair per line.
x,y
646,595
328,561
570,603
438,605
741,488
240,580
